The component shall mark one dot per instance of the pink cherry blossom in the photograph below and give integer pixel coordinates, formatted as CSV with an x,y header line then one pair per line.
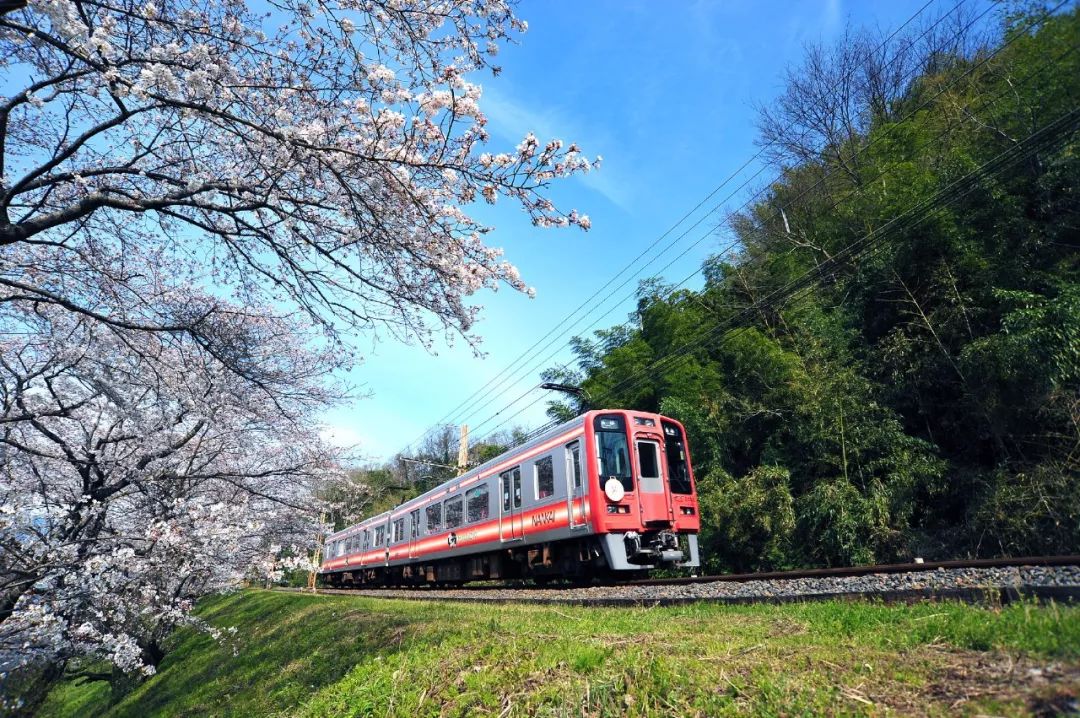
x,y
200,204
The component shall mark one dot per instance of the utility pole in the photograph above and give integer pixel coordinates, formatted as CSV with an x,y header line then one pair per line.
x,y
463,451
317,556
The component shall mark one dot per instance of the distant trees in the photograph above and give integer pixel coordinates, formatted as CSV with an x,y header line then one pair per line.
x,y
199,202
380,487
922,398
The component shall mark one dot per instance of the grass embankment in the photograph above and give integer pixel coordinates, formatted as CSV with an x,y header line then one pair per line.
x,y
302,655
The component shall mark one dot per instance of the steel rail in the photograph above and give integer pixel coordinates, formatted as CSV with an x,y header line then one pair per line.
x,y
1068,560
520,591
984,595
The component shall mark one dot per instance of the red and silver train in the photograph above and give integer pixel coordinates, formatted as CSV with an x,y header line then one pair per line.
x,y
607,493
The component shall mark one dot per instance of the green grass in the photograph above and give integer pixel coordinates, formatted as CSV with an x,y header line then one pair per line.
x,y
302,655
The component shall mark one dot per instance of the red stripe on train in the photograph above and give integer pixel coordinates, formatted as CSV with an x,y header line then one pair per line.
x,y
565,438
533,521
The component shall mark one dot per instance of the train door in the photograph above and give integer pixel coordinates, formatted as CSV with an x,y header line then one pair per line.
x,y
388,539
653,495
575,486
511,527
414,533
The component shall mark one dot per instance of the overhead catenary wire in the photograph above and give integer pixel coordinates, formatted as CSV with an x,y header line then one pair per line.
x,y
913,217
471,401
670,245
879,138
806,282
729,329
686,251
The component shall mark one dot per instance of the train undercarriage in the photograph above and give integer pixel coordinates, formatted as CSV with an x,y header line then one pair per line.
x,y
576,560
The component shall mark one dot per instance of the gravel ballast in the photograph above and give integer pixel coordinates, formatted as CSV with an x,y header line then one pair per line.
x,y
1058,581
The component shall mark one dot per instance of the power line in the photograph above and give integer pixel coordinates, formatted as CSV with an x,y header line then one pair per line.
x,y
1055,131
792,202
471,400
759,306
1040,139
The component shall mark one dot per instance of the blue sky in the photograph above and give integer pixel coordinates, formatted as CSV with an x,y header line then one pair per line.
x,y
665,92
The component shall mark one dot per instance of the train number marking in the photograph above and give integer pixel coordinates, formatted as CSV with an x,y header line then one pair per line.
x,y
544,517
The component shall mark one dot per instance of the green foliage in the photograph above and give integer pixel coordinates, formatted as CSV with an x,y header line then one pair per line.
x,y
1038,346
1036,512
749,523
842,526
924,399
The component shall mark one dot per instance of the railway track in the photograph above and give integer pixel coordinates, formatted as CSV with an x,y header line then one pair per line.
x,y
991,581
888,568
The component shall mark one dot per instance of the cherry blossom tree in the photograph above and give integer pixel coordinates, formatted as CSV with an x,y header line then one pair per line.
x,y
139,475
200,202
318,154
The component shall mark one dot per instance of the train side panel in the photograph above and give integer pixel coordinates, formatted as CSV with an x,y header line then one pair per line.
x,y
556,491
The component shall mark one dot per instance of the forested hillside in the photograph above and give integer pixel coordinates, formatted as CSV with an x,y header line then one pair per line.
x,y
884,361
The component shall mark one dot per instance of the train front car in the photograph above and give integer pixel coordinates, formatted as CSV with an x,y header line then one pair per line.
x,y
644,505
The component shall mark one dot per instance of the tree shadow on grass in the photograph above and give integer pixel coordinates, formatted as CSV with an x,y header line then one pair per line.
x,y
285,648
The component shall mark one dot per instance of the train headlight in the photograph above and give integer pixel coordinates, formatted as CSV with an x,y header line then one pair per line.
x,y
614,490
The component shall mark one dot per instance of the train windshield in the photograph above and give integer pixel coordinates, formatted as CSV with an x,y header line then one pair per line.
x,y
613,451
678,466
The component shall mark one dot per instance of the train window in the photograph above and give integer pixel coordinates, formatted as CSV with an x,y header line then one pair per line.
x,y
545,478
452,509
349,542
677,464
367,539
574,451
434,518
517,487
614,455
414,523
380,534
504,477
399,531
476,503
648,460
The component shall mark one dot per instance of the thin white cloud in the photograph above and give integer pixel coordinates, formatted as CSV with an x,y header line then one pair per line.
x,y
833,16
512,120
345,436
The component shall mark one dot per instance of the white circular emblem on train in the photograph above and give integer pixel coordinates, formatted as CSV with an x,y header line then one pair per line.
x,y
614,489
